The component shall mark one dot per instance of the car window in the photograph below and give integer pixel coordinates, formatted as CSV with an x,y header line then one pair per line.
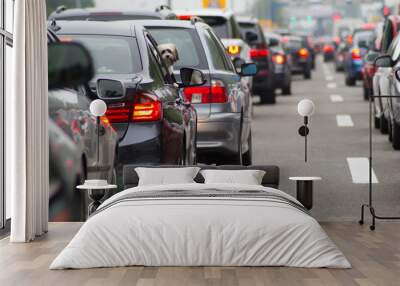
x,y
219,24
366,36
111,54
293,44
225,57
155,69
216,56
252,27
160,63
188,45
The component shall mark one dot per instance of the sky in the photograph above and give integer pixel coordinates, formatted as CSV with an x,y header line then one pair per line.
x,y
239,5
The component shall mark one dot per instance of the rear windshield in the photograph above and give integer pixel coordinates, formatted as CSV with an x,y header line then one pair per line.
x,y
293,44
187,42
250,27
111,54
219,24
364,36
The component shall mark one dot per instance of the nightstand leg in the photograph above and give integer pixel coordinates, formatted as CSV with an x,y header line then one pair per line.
x,y
96,196
304,193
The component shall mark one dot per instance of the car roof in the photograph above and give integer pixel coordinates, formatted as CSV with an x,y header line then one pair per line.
x,y
246,19
118,28
89,11
212,12
166,23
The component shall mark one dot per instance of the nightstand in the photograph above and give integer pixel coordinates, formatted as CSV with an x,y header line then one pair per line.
x,y
96,193
304,190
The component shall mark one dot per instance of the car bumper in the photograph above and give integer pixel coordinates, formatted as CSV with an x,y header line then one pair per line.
x,y
262,81
219,134
141,144
280,80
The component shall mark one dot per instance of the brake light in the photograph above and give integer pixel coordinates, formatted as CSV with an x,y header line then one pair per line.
x,y
263,53
184,17
233,50
303,53
328,49
356,54
279,59
146,108
216,93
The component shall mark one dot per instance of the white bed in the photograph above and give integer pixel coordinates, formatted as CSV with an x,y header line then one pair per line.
x,y
209,230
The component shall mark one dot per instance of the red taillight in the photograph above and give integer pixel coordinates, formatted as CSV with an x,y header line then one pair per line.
x,y
216,93
145,108
356,54
303,53
328,49
279,59
184,17
255,53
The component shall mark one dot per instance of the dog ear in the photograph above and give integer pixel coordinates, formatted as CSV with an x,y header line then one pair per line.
x,y
176,54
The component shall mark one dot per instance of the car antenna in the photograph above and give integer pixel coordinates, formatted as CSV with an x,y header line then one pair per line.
x,y
60,9
54,25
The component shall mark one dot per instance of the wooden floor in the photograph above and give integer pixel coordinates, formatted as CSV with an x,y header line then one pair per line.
x,y
375,257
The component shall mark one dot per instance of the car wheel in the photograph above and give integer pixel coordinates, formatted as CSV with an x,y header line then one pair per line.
x,y
350,81
383,124
287,90
307,74
247,157
395,131
268,97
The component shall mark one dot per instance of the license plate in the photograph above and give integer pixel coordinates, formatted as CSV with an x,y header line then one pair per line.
x,y
196,97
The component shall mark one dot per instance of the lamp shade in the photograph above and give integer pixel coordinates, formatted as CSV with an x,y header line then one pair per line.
x,y
98,107
306,107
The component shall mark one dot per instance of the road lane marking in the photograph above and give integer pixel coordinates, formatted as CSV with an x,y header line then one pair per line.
x,y
331,85
329,78
344,120
359,169
336,98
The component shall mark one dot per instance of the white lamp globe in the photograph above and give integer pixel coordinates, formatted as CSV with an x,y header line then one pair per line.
x,y
306,107
98,107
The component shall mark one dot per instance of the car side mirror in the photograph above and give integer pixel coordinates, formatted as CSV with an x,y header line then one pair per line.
x,y
371,57
384,61
249,69
191,77
251,37
397,74
110,89
69,65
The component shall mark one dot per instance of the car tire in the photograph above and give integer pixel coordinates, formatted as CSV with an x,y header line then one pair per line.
x,y
383,125
307,74
365,93
268,97
247,157
395,131
350,81
376,122
287,90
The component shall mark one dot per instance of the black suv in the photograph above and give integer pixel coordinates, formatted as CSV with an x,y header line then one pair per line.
x,y
154,124
263,82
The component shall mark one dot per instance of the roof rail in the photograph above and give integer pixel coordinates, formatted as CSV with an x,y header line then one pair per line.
x,y
196,19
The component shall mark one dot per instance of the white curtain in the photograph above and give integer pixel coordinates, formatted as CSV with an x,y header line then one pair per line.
x,y
27,168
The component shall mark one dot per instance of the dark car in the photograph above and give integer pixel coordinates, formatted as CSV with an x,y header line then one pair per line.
x,y
94,14
73,146
353,57
263,82
339,56
391,61
391,28
223,102
301,61
282,69
328,51
154,124
308,43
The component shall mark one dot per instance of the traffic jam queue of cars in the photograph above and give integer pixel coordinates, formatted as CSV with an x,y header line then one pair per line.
x,y
178,86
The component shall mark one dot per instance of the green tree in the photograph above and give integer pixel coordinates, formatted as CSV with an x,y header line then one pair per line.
x,y
53,4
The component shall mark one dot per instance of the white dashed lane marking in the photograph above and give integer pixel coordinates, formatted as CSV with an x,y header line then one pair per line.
x,y
344,120
359,169
329,78
331,85
336,98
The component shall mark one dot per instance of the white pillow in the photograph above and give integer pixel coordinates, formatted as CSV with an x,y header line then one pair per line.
x,y
248,177
166,176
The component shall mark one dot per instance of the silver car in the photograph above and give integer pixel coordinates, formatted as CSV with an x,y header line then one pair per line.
x,y
223,103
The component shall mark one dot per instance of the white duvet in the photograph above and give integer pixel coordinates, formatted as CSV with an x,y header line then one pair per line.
x,y
200,232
